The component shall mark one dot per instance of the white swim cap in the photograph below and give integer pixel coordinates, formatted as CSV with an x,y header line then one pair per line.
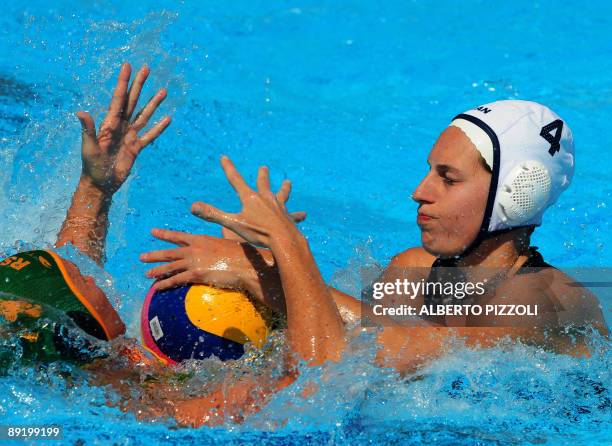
x,y
530,151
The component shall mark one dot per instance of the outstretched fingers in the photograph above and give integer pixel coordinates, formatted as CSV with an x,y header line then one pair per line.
x,y
168,269
179,279
118,101
283,193
298,217
234,177
263,179
152,134
283,196
176,237
166,255
142,118
134,92
213,215
87,124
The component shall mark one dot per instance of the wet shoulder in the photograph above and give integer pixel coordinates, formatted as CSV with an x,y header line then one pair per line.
x,y
413,264
580,305
556,291
412,257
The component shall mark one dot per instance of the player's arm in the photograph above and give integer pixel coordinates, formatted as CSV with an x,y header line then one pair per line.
x,y
403,265
225,263
234,402
315,331
197,259
228,262
107,159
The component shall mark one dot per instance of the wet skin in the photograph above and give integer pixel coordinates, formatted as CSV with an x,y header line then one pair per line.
x,y
265,254
452,196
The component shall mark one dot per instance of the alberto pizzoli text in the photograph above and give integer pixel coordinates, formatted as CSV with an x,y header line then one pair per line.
x,y
456,310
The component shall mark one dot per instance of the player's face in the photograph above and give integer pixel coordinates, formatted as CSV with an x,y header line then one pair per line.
x,y
453,195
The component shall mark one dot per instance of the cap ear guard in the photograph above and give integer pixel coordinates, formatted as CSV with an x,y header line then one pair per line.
x,y
524,193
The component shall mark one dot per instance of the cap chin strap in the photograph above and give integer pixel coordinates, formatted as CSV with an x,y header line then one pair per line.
x,y
481,237
484,233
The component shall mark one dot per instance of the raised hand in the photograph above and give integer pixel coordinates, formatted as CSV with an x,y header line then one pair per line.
x,y
282,196
315,331
109,155
262,216
107,160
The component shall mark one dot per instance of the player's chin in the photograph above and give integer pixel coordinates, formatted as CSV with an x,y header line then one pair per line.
x,y
430,242
437,245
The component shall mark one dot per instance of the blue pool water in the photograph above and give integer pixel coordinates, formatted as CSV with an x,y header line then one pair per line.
x,y
346,99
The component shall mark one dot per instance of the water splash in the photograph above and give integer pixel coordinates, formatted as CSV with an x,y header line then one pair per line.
x,y
44,158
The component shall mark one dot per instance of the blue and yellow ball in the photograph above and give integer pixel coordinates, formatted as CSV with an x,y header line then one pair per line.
x,y
198,321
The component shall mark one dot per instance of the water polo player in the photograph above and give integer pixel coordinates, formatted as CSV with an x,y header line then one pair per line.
x,y
57,313
493,173
43,295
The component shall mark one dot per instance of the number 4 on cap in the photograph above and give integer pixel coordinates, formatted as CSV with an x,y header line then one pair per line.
x,y
555,139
